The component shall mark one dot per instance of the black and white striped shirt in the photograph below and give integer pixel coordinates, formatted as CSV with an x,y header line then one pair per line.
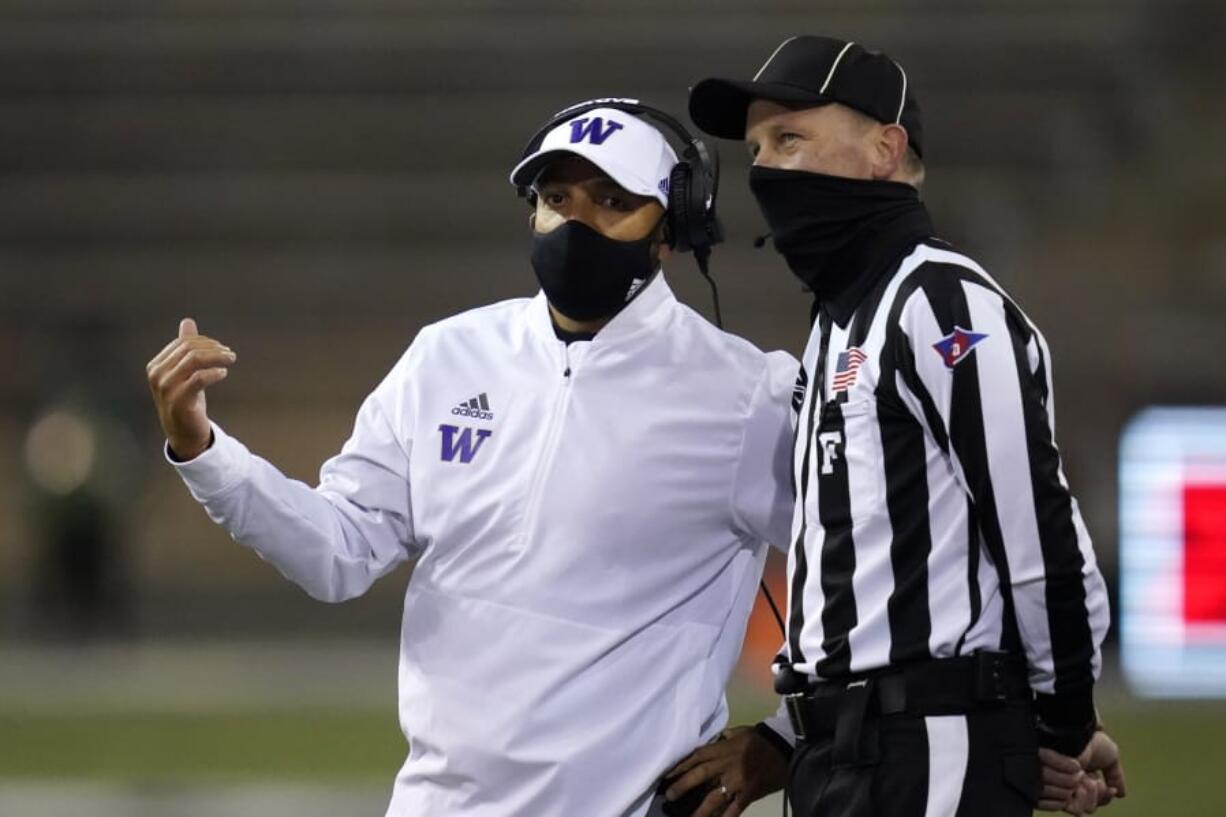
x,y
933,517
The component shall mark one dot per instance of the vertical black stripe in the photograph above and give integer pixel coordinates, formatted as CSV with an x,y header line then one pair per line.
x,y
897,352
905,460
900,785
972,574
942,286
485,402
838,560
906,479
904,464
800,574
1072,641
838,564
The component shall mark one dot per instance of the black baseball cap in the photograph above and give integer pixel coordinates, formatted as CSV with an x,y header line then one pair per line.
x,y
812,71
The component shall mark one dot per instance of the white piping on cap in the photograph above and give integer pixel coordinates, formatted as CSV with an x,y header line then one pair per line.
x,y
903,99
771,57
830,76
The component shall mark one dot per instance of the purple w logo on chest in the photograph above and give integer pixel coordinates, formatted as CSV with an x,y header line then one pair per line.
x,y
460,441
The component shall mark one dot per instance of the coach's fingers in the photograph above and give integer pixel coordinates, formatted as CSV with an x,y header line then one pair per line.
x,y
702,754
201,380
193,360
696,776
164,373
1046,804
717,804
162,355
187,328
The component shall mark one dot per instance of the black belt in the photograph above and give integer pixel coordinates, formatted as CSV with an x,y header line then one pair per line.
x,y
947,686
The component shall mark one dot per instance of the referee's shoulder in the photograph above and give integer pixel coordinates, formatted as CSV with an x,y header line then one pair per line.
x,y
937,265
936,260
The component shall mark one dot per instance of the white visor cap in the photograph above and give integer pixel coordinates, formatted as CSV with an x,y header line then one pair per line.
x,y
633,153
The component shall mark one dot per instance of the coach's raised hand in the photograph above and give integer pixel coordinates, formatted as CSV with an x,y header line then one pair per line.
x,y
178,376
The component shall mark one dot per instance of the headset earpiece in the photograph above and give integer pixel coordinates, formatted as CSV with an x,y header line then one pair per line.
x,y
680,214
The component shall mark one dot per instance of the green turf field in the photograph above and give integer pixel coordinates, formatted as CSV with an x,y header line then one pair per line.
x,y
1173,750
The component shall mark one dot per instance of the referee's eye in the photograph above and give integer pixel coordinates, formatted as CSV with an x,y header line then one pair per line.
x,y
788,139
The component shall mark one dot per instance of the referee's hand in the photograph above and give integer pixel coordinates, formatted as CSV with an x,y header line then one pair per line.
x,y
740,767
178,376
1082,784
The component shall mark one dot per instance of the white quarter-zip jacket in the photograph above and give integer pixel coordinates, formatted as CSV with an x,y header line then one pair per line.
x,y
588,523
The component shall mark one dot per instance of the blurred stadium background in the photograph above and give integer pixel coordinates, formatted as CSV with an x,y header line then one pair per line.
x,y
315,180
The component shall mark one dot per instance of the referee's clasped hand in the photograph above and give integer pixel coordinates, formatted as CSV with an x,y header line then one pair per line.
x,y
1082,784
740,767
178,376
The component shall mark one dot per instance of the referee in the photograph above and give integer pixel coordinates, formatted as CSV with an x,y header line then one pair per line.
x,y
946,608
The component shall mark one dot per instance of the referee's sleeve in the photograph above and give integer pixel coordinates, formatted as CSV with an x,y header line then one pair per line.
x,y
979,376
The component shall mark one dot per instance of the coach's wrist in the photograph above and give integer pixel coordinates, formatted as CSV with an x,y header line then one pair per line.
x,y
187,450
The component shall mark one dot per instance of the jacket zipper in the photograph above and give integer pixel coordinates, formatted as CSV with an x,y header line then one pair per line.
x,y
552,437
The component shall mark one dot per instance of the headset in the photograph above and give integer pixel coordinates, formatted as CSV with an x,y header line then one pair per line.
x,y
690,224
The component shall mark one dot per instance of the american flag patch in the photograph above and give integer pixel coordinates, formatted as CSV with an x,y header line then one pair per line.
x,y
846,368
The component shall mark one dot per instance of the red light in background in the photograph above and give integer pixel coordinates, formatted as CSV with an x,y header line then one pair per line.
x,y
1204,552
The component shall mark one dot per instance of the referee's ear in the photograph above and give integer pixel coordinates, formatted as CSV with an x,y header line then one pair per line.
x,y
889,153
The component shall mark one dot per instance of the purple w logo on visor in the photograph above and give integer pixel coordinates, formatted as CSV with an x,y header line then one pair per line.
x,y
592,129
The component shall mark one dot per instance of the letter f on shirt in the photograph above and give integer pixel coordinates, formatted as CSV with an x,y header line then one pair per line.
x,y
463,446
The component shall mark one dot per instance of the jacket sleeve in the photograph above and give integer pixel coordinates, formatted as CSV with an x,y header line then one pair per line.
x,y
979,377
762,499
333,540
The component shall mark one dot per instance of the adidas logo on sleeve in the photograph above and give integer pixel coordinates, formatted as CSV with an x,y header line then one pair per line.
x,y
477,408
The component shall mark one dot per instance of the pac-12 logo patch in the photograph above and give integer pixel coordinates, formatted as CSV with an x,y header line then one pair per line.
x,y
954,347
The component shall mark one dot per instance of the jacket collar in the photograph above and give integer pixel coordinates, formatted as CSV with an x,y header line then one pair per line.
x,y
647,312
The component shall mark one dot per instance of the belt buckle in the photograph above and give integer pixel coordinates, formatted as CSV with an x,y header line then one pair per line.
x,y
796,714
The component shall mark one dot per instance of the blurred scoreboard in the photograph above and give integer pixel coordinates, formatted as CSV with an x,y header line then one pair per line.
x,y
1173,552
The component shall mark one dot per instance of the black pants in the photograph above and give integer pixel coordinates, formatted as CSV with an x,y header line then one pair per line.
x,y
983,764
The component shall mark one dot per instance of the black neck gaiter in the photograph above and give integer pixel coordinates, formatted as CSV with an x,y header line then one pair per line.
x,y
587,275
834,232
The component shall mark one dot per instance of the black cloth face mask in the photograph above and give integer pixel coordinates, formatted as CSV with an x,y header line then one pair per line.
x,y
831,230
587,275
